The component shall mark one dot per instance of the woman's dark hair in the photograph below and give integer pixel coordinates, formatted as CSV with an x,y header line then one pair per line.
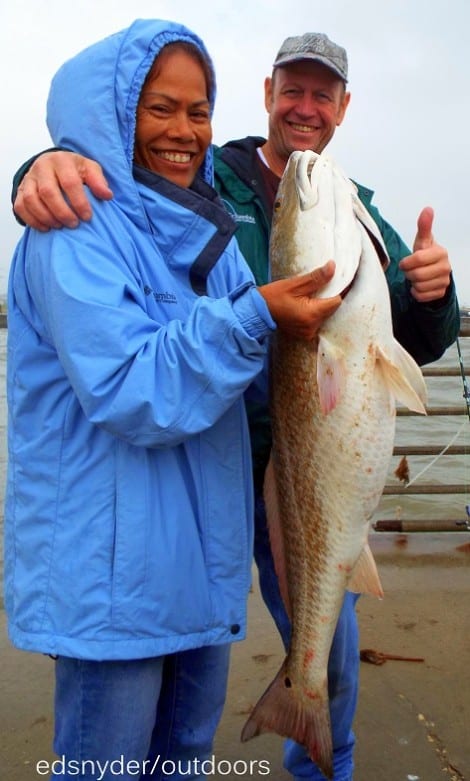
x,y
192,51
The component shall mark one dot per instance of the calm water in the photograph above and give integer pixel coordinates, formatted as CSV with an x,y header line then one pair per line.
x,y
439,431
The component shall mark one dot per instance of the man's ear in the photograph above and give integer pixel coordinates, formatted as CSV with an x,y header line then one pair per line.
x,y
343,108
268,93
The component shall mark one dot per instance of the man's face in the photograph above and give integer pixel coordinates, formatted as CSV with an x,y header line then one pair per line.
x,y
305,101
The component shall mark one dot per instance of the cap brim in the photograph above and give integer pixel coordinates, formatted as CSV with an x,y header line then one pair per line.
x,y
290,58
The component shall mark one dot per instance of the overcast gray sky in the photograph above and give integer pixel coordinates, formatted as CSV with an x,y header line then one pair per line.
x,y
406,134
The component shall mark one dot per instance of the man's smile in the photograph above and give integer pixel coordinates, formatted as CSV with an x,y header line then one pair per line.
x,y
303,128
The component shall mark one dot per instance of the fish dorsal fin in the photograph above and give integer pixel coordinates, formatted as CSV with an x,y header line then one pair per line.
x,y
364,577
403,377
275,533
331,374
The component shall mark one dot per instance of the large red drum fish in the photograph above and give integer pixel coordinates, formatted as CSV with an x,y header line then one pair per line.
x,y
333,418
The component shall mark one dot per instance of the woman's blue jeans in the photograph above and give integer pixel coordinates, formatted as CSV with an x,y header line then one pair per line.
x,y
343,666
156,715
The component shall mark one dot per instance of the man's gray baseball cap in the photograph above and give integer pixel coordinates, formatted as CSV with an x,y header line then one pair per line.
x,y
317,47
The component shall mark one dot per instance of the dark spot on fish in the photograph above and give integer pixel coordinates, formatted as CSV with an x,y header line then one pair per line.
x,y
287,683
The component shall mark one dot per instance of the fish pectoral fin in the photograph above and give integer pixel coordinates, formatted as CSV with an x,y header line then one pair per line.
x,y
364,578
275,533
403,377
331,373
286,710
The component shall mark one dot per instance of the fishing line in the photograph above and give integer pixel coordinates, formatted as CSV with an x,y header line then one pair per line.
x,y
428,466
466,390
466,395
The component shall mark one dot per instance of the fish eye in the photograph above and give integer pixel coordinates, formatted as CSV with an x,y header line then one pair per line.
x,y
277,204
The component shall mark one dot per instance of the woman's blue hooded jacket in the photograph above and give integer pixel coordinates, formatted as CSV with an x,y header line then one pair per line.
x,y
132,340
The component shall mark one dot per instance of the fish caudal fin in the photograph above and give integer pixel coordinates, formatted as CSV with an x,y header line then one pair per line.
x,y
287,711
364,577
403,377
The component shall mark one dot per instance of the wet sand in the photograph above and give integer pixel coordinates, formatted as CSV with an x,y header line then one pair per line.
x,y
413,719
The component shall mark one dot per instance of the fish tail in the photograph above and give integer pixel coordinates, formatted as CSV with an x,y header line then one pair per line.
x,y
285,710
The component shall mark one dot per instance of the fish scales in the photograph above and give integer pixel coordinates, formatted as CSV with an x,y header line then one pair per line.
x,y
333,421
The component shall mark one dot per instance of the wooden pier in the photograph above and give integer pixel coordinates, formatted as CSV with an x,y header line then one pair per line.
x,y
431,490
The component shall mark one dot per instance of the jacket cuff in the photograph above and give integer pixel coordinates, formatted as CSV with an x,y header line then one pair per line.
x,y
252,311
448,296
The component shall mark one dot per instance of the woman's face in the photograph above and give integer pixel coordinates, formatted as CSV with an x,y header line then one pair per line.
x,y
173,128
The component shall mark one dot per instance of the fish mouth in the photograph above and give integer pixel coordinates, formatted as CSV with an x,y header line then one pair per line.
x,y
307,190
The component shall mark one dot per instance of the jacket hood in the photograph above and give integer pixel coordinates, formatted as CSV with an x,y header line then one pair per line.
x,y
93,99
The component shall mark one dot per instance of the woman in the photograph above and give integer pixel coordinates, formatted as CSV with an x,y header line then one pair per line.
x,y
132,341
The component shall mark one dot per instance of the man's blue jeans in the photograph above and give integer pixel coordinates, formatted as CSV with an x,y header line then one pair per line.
x,y
158,715
343,666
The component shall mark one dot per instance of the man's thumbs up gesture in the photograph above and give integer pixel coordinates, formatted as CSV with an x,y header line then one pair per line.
x,y
428,267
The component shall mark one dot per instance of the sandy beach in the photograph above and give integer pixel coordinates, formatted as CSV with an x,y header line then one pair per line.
x,y
413,719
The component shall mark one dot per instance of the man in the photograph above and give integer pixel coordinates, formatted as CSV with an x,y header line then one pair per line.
x,y
306,99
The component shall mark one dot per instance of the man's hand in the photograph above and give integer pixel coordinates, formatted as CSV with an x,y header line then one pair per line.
x,y
428,268
293,305
52,193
